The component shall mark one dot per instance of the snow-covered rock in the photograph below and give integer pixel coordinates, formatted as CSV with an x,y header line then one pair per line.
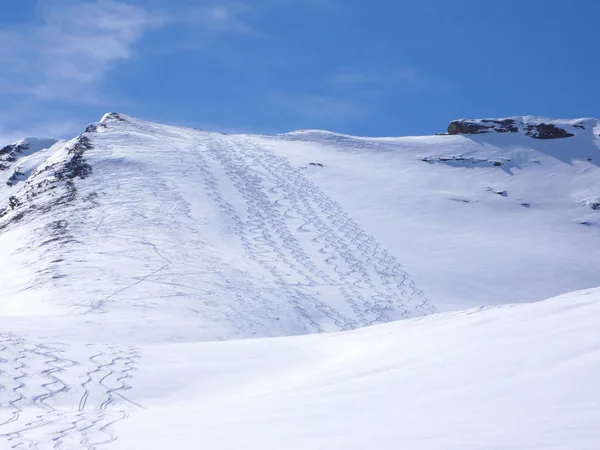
x,y
13,153
532,126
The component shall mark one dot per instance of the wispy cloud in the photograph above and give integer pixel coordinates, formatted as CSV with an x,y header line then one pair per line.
x,y
224,16
65,53
70,48
62,57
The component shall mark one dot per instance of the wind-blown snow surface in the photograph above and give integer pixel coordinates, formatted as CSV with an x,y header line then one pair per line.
x,y
516,377
513,377
123,248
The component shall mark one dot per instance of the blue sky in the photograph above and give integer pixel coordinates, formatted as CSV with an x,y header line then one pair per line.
x,y
356,66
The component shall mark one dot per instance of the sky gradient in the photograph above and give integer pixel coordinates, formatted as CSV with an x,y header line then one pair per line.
x,y
384,68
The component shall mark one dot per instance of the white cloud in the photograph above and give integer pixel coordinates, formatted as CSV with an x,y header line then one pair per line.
x,y
230,17
69,48
55,65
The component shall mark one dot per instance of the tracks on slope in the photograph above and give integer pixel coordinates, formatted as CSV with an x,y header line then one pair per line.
x,y
282,207
71,402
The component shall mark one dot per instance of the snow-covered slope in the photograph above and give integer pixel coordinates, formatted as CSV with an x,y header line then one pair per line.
x,y
515,377
122,249
19,159
477,219
137,222
246,236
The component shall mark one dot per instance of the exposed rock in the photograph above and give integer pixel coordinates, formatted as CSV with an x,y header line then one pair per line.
x,y
59,187
13,202
9,153
18,147
530,126
503,125
546,131
482,126
76,167
468,161
14,177
112,116
93,127
461,127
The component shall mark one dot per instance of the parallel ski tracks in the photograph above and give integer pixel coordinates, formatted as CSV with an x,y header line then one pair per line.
x,y
281,204
38,396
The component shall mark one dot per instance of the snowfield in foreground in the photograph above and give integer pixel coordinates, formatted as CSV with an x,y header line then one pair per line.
x,y
510,377
137,260
513,377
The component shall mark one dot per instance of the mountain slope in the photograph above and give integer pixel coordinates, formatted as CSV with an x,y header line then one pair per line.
x,y
514,377
246,236
477,219
137,220
125,247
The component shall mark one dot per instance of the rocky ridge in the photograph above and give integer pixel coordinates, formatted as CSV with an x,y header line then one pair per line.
x,y
534,127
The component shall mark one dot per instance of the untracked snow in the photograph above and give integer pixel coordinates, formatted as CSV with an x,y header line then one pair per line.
x,y
515,377
126,252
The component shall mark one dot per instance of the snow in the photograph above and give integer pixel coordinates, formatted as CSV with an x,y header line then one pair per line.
x,y
128,295
509,377
462,243
34,152
529,124
512,377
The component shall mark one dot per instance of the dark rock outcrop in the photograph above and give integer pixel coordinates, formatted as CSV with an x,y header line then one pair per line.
x,y
19,147
59,189
546,131
534,130
112,116
76,166
9,153
482,126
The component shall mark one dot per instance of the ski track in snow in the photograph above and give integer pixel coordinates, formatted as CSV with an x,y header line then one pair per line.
x,y
280,201
49,400
336,276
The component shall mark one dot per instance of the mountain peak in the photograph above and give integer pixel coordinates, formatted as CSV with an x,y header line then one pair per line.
x,y
113,117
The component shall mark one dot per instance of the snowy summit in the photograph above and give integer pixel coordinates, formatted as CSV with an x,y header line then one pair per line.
x,y
165,287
